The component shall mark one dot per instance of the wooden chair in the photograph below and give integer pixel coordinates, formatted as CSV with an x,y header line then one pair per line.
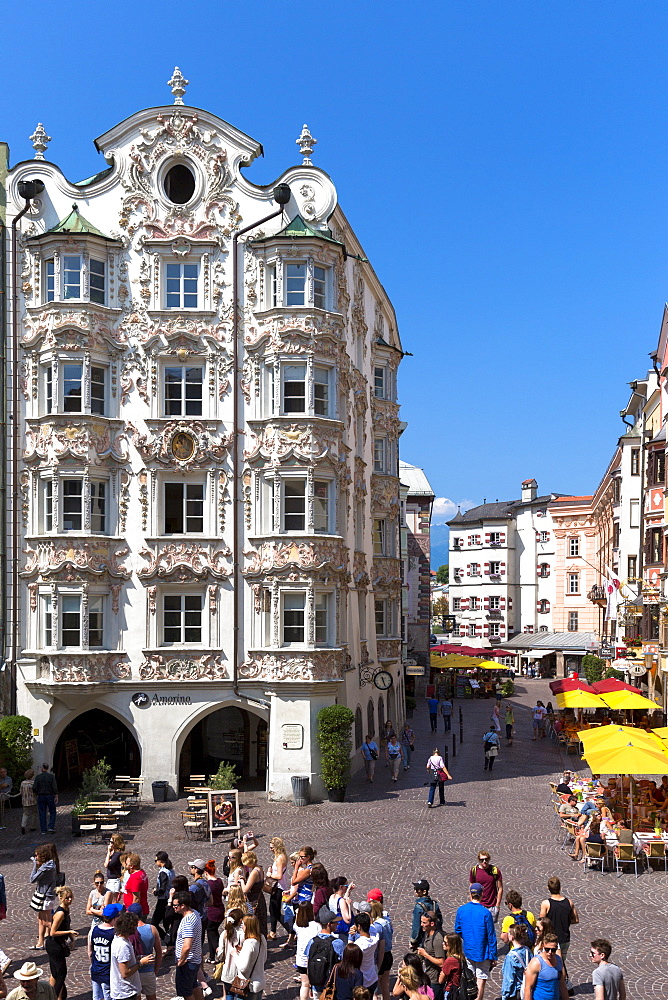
x,y
593,853
625,854
197,780
194,825
656,851
570,829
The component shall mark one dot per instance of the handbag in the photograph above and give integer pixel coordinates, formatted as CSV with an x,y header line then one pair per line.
x,y
442,775
329,992
240,987
60,879
218,972
38,900
269,884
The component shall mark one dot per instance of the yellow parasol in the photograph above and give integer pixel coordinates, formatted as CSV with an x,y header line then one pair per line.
x,y
661,732
452,661
579,699
491,665
608,737
619,700
629,758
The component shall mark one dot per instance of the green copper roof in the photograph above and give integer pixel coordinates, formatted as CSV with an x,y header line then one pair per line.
x,y
299,228
75,223
91,180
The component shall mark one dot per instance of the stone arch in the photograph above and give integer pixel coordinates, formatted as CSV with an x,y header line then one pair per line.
x,y
90,736
239,735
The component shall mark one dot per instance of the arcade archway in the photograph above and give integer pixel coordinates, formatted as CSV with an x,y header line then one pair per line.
x,y
91,736
230,734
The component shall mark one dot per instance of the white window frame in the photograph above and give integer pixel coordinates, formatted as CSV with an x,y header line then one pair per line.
x,y
51,510
382,624
573,619
494,630
181,292
53,395
572,583
319,389
297,598
380,536
185,597
456,604
470,630
380,456
495,568
316,291
272,512
573,546
494,603
380,381
90,287
85,604
186,407
495,538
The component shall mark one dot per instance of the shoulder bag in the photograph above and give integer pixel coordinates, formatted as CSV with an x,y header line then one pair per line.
x,y
240,987
329,991
269,883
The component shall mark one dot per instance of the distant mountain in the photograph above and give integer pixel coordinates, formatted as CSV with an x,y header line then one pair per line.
x,y
440,534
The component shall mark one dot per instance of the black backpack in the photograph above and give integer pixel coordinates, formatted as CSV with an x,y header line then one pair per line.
x,y
321,960
468,986
521,918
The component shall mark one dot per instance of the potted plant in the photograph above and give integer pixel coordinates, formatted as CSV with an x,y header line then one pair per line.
x,y
335,724
410,706
225,777
94,781
78,809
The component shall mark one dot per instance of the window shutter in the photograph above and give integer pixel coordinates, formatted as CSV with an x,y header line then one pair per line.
x,y
486,569
538,605
464,606
486,631
502,569
486,604
478,631
502,538
468,569
502,604
502,631
510,604
487,538
462,631
477,539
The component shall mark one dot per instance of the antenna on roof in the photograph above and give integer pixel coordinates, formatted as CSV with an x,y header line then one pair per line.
x,y
484,499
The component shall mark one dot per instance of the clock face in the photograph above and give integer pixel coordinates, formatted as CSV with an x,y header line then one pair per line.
x,y
383,680
183,446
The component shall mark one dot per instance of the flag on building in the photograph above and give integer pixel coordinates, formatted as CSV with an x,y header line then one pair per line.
x,y
611,587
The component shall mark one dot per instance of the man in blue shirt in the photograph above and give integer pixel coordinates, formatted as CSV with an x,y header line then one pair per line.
x,y
433,713
475,924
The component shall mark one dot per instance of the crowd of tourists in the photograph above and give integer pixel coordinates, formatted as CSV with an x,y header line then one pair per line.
x,y
219,920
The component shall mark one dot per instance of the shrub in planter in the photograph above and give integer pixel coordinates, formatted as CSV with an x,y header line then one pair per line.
x,y
410,705
335,723
16,745
225,777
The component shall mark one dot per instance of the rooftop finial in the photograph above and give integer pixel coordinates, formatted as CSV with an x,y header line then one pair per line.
x,y
306,142
40,141
178,83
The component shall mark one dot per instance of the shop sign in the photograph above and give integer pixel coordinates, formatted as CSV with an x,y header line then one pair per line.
x,y
607,652
142,700
415,670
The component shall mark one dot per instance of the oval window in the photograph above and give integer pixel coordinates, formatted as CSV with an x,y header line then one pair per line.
x,y
179,184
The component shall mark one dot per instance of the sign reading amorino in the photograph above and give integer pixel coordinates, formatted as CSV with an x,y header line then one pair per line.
x,y
143,700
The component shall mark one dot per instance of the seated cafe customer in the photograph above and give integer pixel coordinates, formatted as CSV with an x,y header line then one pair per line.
x,y
569,808
564,786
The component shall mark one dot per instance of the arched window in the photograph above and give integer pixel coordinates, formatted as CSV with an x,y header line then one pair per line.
x,y
359,735
381,714
370,724
543,607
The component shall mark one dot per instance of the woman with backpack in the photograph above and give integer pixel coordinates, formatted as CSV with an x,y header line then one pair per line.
x,y
438,775
252,957
229,943
515,962
451,972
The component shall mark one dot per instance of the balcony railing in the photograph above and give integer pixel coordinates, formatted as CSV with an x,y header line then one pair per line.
x,y
597,596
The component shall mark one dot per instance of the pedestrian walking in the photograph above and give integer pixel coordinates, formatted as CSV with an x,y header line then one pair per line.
x,y
432,952
30,985
423,904
381,924
495,719
517,915
59,942
607,978
229,945
372,950
491,744
124,981
509,719
545,977
278,870
28,802
100,938
348,975
538,719
323,951
162,886
46,790
563,914
135,889
188,948
43,878
515,963
407,744
438,775
432,704
474,923
393,756
446,714
369,751
215,910
491,880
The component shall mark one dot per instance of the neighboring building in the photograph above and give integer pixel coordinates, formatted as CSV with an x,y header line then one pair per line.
x,y
418,505
204,463
502,568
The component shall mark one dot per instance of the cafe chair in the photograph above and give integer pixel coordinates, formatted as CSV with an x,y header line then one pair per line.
x,y
593,854
625,854
656,851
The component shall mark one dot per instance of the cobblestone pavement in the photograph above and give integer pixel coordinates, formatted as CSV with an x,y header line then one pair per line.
x,y
385,836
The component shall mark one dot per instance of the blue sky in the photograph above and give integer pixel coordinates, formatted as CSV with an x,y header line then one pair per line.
x,y
502,162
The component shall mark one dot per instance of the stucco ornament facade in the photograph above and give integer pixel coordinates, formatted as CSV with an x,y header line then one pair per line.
x,y
152,401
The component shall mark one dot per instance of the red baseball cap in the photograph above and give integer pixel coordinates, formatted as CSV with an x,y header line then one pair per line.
x,y
374,894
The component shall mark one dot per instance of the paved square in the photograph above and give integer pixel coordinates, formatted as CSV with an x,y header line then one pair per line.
x,y
385,836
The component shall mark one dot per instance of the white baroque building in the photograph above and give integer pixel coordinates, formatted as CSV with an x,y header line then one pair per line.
x,y
203,461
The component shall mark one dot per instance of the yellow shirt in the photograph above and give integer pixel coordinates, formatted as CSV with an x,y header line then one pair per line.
x,y
508,921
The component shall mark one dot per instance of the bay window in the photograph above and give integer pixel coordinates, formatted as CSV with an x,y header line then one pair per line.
x,y
303,283
293,617
306,388
77,272
70,620
82,387
82,505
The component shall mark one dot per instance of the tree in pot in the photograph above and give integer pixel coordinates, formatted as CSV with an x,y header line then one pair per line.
x,y
335,724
